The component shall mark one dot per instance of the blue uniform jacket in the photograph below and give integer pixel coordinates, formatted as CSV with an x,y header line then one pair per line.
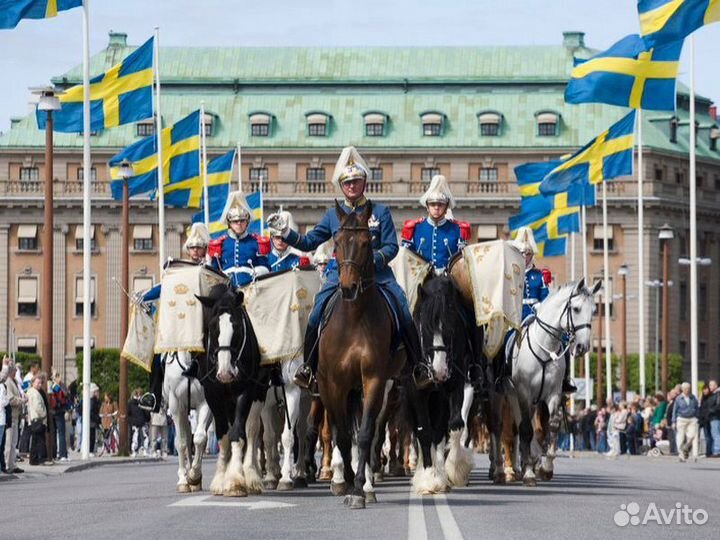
x,y
436,243
535,290
282,261
234,256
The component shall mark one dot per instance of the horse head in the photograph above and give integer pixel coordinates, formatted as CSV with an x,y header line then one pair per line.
x,y
580,309
225,330
353,252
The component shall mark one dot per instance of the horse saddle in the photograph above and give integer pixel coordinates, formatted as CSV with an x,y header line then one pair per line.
x,y
512,338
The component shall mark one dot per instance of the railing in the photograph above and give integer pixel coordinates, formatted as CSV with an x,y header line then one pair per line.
x,y
27,188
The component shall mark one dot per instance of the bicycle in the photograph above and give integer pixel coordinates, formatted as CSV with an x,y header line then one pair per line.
x,y
110,437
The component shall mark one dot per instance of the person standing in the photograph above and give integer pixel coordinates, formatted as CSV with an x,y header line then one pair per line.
x,y
704,418
159,433
714,417
685,423
16,400
137,420
59,403
37,416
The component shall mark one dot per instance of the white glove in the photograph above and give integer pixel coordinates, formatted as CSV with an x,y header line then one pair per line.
x,y
277,225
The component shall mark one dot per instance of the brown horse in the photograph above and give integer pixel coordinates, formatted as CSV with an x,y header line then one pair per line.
x,y
355,363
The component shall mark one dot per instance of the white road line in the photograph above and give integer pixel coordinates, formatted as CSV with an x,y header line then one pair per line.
x,y
211,500
416,517
449,526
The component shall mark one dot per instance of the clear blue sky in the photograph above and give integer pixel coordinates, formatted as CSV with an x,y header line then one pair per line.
x,y
37,50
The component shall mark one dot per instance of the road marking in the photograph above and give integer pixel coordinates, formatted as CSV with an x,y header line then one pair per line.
x,y
211,500
449,526
416,517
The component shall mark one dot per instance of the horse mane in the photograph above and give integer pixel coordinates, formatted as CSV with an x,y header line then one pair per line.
x,y
438,304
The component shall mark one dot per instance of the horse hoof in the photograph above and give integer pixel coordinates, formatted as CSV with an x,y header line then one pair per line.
x,y
354,502
325,475
529,482
378,477
499,479
370,497
338,488
237,492
194,488
285,485
183,488
396,469
194,481
270,484
300,482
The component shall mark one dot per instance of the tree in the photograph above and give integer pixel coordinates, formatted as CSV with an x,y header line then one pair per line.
x,y
106,372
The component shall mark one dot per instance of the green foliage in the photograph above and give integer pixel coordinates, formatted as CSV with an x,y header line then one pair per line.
x,y
105,366
25,359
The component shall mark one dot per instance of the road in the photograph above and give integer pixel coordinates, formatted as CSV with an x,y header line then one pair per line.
x,y
116,501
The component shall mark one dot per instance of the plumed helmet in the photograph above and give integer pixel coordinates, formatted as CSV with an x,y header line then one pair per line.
x,y
198,237
322,254
349,165
236,207
525,241
439,191
287,218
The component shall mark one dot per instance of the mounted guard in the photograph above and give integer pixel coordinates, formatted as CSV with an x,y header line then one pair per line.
x,y
281,256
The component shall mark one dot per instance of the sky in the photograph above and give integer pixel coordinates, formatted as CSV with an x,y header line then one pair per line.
x,y
37,50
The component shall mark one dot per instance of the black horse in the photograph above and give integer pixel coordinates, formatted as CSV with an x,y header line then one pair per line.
x,y
436,411
235,387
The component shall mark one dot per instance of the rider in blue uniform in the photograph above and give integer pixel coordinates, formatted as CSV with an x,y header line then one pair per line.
x,y
238,253
196,248
350,177
536,290
281,256
435,238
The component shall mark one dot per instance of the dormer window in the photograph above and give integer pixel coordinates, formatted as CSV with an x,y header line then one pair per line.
x,y
145,128
375,124
260,124
317,124
714,136
432,124
548,124
209,124
490,123
673,129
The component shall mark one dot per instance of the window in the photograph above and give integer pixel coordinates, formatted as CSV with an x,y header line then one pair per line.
x,y
374,124
27,297
598,238
316,130
27,237
258,174
29,174
432,124
679,176
142,284
81,175
374,130
317,124
376,174
79,297
489,130
489,124
702,348
702,301
79,238
673,129
717,181
547,124
714,136
145,129
79,345
315,174
606,289
27,345
427,173
683,301
488,174
259,130
658,174
209,124
683,348
142,238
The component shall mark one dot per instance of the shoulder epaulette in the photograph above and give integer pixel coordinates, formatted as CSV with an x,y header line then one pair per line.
x,y
465,229
408,229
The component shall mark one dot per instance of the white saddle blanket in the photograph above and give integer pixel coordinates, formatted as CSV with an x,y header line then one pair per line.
x,y
140,340
279,307
410,271
497,275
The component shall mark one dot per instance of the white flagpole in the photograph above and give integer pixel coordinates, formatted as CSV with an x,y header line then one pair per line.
x,y
585,277
262,208
158,134
87,219
203,164
606,295
572,359
693,232
641,259
239,159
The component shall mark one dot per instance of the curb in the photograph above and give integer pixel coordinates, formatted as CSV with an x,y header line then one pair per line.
x,y
55,471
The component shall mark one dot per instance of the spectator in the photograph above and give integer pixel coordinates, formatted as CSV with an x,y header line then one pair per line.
x,y
94,415
601,431
159,432
4,408
108,410
138,420
59,402
621,426
37,416
660,409
27,380
16,399
703,418
685,422
714,418
613,436
672,394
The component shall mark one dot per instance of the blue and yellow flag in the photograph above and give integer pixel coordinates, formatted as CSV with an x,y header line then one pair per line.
x,y
218,227
255,202
219,174
13,11
119,96
181,165
666,21
628,75
555,247
607,156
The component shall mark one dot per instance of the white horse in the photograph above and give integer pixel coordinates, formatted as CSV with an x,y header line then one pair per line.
x,y
182,394
287,406
562,322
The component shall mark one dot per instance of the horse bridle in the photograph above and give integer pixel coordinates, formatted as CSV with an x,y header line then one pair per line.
x,y
364,282
220,348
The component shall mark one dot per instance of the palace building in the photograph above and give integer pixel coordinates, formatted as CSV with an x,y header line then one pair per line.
x,y
471,114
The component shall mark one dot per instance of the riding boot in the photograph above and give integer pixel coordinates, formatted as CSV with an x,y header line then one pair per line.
x,y
421,371
305,374
150,401
567,386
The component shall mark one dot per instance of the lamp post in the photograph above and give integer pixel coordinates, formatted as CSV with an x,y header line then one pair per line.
x,y
126,172
623,272
665,235
699,261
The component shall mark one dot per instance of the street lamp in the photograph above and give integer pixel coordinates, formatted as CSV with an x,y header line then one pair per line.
x,y
702,261
623,272
126,172
657,285
665,235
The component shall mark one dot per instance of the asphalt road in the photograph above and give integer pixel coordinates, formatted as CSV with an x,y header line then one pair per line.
x,y
582,501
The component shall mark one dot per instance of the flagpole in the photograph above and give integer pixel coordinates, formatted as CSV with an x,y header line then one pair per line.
x,y
606,295
641,258
239,157
158,134
87,246
693,232
585,277
262,208
203,164
572,359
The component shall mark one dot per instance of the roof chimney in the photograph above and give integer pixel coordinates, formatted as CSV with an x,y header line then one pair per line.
x,y
574,40
117,39
713,112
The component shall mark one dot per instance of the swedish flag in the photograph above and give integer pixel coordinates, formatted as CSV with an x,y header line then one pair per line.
x,y
218,227
181,165
628,75
119,96
12,11
607,156
665,21
255,202
219,173
552,247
